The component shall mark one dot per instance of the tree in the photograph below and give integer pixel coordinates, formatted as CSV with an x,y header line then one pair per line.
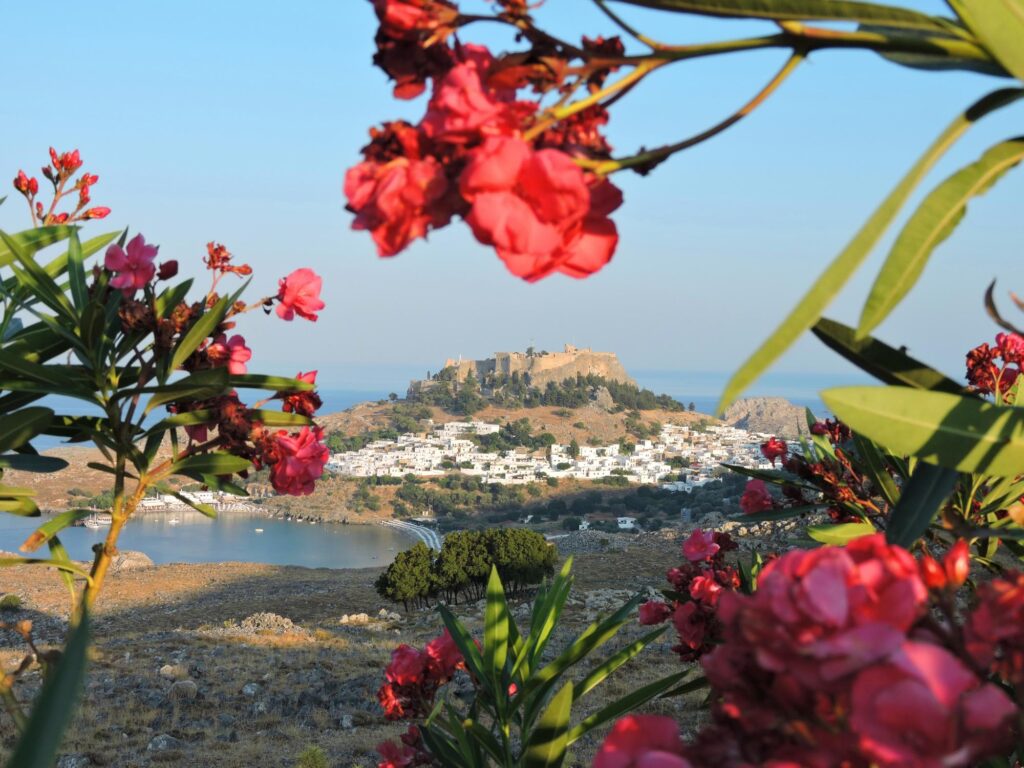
x,y
691,407
392,396
571,524
574,448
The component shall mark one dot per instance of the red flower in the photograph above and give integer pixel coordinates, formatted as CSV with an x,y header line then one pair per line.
x,y
1011,348
29,187
167,270
231,352
464,109
933,574
300,461
398,201
307,402
443,656
924,708
705,589
406,667
692,625
409,19
537,210
756,498
132,266
995,629
700,547
642,741
957,564
774,449
299,294
654,612
982,371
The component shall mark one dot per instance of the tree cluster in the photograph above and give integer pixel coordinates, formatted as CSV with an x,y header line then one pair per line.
x,y
419,576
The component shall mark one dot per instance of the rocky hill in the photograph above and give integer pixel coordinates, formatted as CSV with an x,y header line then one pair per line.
x,y
774,415
536,368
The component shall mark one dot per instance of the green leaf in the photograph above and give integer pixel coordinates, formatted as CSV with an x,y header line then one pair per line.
x,y
39,742
999,24
813,303
464,642
32,462
279,418
839,534
33,277
171,298
874,465
20,506
941,60
963,433
934,221
76,272
58,553
886,364
32,240
271,383
200,385
213,463
204,509
21,426
195,336
802,10
627,703
549,738
923,496
496,619
52,527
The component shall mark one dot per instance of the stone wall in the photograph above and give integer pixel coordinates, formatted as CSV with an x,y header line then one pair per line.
x,y
542,368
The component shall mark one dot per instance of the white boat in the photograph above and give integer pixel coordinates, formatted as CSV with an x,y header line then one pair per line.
x,y
259,530
97,520
173,521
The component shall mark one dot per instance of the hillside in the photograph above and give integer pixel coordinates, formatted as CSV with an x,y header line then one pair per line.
x,y
773,415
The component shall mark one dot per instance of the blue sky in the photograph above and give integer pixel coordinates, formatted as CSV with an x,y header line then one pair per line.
x,y
208,122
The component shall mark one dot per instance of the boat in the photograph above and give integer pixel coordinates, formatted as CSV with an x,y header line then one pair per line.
x,y
97,520
259,530
173,521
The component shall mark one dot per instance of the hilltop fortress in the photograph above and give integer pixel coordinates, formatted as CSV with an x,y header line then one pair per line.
x,y
537,368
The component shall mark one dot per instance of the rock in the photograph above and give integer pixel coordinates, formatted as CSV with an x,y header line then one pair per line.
x,y
603,399
347,723
183,690
268,622
74,761
250,689
164,742
355,618
225,720
130,561
771,415
174,672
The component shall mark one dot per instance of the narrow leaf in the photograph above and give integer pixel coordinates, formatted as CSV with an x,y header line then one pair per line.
x,y
999,24
627,703
813,303
52,527
549,738
840,534
39,742
21,426
934,221
496,618
963,433
923,496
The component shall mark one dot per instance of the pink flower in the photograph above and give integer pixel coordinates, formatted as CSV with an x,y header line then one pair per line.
x,y
1011,347
700,547
924,708
133,266
774,449
307,402
231,352
756,498
995,629
654,612
704,589
464,109
642,741
538,210
691,624
443,656
398,201
167,270
300,461
299,294
408,19
406,667
820,615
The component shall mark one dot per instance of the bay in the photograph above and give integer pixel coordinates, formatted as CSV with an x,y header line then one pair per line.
x,y
231,537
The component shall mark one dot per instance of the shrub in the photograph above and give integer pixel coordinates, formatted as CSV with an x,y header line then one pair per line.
x,y
10,602
312,757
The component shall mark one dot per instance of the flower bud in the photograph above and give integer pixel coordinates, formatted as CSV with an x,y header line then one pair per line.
x,y
167,270
60,218
958,563
932,573
100,212
54,158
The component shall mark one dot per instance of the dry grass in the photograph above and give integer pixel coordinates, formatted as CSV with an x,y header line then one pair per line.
x,y
310,680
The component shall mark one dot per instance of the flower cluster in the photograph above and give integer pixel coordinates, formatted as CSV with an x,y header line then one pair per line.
x,y
697,586
508,168
412,678
408,752
295,459
994,369
829,476
60,173
837,660
642,741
